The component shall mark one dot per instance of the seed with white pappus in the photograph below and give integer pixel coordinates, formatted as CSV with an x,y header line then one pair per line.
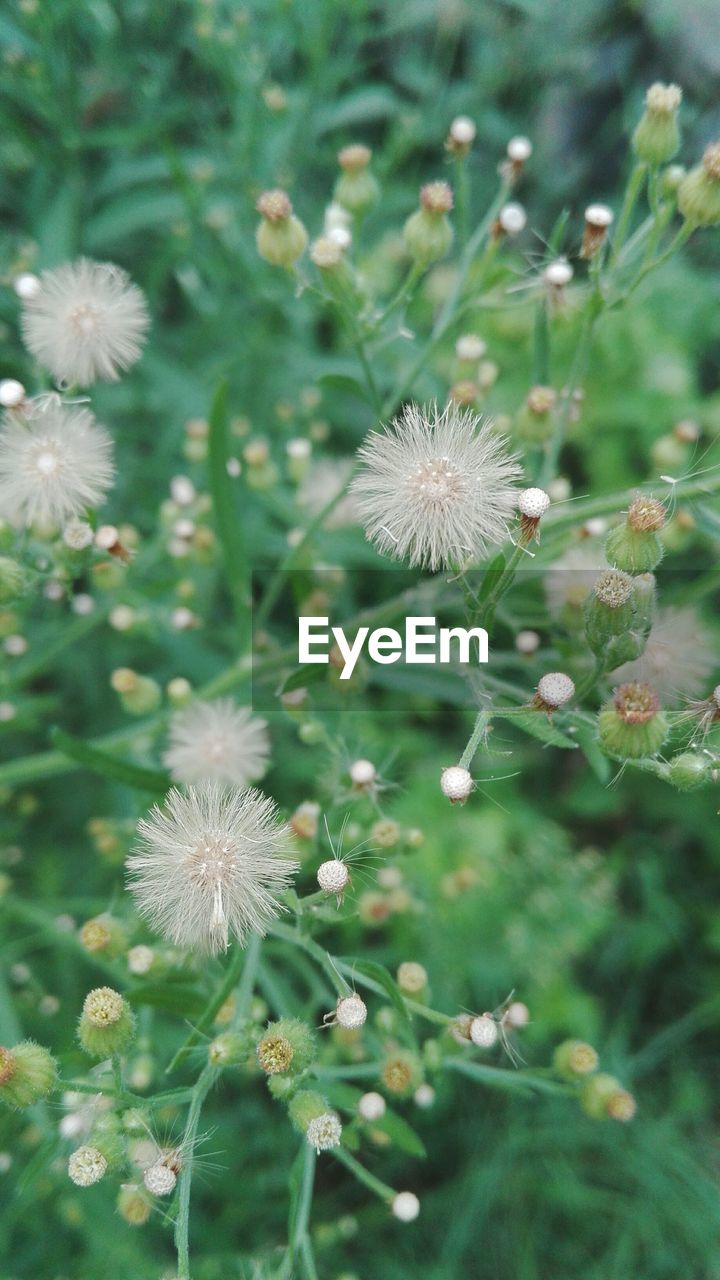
x,y
362,774
456,783
406,1206
512,219
27,286
371,1106
217,741
483,1031
159,1179
554,690
519,149
350,1012
516,1015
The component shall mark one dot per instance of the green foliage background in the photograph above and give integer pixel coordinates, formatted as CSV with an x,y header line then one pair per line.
x,y
140,133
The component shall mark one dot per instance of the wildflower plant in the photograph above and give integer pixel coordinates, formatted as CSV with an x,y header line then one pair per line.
x,y
427,450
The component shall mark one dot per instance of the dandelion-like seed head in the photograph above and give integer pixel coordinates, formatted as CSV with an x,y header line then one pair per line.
x,y
371,1106
55,461
159,1179
324,1132
483,1031
333,876
680,656
217,741
86,1166
555,688
85,322
436,488
210,863
350,1012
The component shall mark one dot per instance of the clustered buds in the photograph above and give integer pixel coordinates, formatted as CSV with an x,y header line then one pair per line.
x,y
657,137
602,1097
428,233
574,1059
632,724
401,1073
28,1072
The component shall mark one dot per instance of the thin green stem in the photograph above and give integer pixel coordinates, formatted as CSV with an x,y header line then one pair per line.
x,y
359,1171
476,737
635,185
227,986
182,1226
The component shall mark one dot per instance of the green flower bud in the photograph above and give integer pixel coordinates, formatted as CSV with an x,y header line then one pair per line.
x,y
608,609
134,1205
401,1073
427,233
602,1097
574,1059
287,1045
699,192
28,1072
104,936
107,1024
671,179
307,1105
230,1048
282,1087
689,770
535,422
632,724
356,189
12,579
657,136
281,237
635,546
139,695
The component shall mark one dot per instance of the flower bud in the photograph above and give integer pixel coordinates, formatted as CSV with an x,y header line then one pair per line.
x,y
280,237
107,1024
554,689
632,724
608,609
134,1205
139,695
574,1059
484,1031
324,1131
603,1098
534,422
598,217
456,783
405,1206
689,770
306,1105
532,505
657,136
86,1166
411,978
356,189
28,1072
699,192
104,936
401,1073
371,1106
634,546
427,233
230,1049
350,1012
287,1045
461,135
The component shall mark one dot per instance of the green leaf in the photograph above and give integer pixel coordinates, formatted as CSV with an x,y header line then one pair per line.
x,y
491,577
707,520
376,102
537,725
175,997
345,1098
109,766
312,673
344,382
590,747
227,516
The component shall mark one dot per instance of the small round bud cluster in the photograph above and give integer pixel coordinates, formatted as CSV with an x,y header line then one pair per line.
x,y
512,219
362,774
355,156
634,546
159,1179
371,1106
324,1132
456,783
86,1166
333,876
133,1205
603,1098
12,393
541,400
103,935
27,1073
484,1031
574,1059
275,206
350,1012
411,977
598,218
663,99
689,770
632,724
646,515
554,689
405,1206
103,1007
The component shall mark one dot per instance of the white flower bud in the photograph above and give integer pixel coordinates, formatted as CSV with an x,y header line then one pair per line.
x,y
106,537
362,773
483,1031
350,1012
533,503
406,1206
333,875
516,1015
86,1166
27,286
555,688
456,783
519,149
470,347
371,1106
324,1132
424,1096
557,274
159,1179
599,216
527,642
463,131
512,218
140,959
182,491
12,393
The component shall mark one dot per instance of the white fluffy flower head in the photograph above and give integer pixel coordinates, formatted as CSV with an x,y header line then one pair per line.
x,y
86,1166
555,688
217,742
456,783
436,488
324,1132
85,322
483,1031
371,1106
333,876
406,1206
350,1012
55,461
159,1179
210,863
